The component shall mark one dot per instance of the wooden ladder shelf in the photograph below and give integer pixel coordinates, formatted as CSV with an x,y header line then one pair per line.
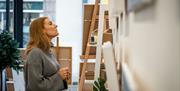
x,y
92,25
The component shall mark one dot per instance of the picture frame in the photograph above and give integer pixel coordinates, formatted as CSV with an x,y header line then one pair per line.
x,y
136,5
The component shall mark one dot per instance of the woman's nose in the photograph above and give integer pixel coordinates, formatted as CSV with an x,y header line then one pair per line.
x,y
55,26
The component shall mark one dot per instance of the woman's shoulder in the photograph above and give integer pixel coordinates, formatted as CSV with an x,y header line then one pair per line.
x,y
34,54
35,51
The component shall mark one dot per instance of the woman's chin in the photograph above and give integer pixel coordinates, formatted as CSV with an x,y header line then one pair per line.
x,y
53,36
57,34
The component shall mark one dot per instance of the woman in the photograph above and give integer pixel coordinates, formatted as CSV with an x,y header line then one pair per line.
x,y
42,72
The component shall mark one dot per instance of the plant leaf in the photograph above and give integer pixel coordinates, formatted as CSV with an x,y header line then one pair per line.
x,y
97,84
95,88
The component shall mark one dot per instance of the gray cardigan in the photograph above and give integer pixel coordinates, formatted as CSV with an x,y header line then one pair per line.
x,y
41,72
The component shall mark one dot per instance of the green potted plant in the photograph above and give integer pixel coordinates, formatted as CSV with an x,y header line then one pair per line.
x,y
99,85
9,53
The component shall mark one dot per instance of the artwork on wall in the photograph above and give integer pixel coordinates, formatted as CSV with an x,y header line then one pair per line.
x,y
134,5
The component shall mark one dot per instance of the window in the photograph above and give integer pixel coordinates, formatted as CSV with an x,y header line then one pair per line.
x,y
31,10
3,16
21,13
2,21
27,18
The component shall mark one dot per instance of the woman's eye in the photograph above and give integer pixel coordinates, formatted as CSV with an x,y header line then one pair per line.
x,y
50,23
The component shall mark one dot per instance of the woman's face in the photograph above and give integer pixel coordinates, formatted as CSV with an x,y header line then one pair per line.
x,y
50,28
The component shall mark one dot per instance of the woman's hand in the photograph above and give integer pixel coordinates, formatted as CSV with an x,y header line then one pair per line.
x,y
64,73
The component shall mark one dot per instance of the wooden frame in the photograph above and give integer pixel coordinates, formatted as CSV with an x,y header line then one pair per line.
x,y
65,59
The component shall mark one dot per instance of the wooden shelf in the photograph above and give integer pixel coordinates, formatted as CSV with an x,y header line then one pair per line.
x,y
88,57
87,20
107,37
89,73
97,18
92,45
65,59
87,17
90,24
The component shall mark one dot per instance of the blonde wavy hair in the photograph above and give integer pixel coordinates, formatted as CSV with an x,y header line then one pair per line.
x,y
37,37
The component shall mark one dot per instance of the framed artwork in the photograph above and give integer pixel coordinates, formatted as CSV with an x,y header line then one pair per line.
x,y
134,5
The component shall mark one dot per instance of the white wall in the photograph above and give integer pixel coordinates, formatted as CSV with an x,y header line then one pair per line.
x,y
154,46
69,21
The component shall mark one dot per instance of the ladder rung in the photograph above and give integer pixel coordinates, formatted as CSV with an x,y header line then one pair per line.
x,y
88,57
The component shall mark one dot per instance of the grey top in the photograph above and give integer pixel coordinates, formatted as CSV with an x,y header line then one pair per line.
x,y
41,72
